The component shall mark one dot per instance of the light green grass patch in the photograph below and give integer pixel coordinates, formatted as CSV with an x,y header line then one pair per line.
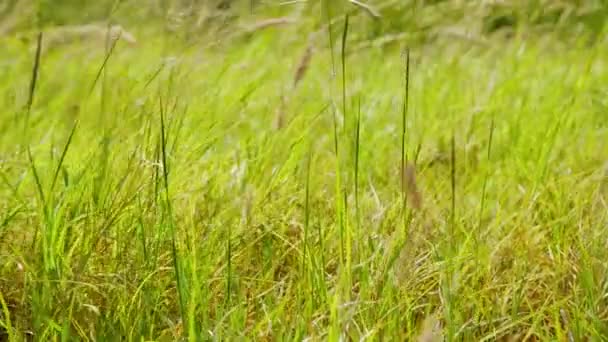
x,y
179,209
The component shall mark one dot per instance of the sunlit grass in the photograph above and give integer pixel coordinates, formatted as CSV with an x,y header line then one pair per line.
x,y
170,204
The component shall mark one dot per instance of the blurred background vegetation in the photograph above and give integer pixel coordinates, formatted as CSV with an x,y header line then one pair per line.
x,y
415,21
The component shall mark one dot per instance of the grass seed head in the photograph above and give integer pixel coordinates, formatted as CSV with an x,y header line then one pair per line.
x,y
411,186
303,65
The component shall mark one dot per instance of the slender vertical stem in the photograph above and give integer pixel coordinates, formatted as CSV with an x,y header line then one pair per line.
x,y
357,153
485,183
330,36
343,59
404,114
33,81
453,187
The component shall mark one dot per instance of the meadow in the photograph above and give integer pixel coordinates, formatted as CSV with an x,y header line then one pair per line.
x,y
315,177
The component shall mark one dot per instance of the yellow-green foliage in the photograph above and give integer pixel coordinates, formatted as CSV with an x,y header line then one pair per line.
x,y
252,181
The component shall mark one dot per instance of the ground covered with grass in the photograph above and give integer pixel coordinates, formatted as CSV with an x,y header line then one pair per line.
x,y
271,188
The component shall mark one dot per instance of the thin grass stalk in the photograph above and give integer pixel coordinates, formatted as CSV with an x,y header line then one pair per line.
x,y
357,156
343,60
100,72
485,185
6,326
40,193
328,18
453,188
305,261
62,157
174,250
33,81
345,226
404,117
450,259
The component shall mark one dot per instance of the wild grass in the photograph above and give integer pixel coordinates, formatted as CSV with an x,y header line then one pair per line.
x,y
151,196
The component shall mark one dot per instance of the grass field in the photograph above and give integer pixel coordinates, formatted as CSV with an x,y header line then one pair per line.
x,y
272,189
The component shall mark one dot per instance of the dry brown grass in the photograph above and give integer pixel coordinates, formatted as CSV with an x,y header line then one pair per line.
x,y
303,65
89,33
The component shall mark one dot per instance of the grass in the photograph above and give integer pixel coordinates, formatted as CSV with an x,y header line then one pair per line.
x,y
152,197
